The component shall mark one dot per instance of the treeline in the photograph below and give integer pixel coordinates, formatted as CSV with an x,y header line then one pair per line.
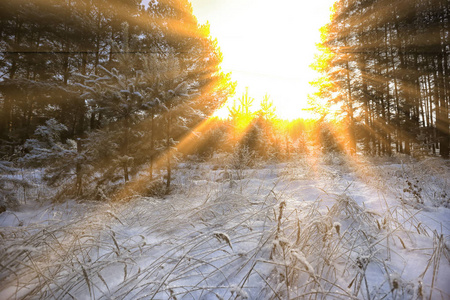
x,y
98,90
251,135
387,63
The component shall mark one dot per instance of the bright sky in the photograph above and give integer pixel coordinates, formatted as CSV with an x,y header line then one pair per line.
x,y
268,45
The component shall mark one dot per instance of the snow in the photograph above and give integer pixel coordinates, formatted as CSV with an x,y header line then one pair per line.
x,y
326,228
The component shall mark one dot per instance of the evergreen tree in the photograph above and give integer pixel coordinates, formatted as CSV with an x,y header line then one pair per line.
x,y
388,64
125,82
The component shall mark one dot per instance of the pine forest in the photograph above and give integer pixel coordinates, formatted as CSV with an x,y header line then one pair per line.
x,y
239,149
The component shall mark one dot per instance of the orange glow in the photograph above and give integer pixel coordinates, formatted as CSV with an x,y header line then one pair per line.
x,y
304,99
268,47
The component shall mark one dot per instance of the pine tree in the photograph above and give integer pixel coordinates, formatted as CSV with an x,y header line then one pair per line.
x,y
125,86
389,67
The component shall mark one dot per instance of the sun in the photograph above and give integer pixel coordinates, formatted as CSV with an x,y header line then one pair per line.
x,y
268,47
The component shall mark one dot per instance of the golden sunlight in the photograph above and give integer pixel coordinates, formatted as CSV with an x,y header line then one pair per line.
x,y
268,47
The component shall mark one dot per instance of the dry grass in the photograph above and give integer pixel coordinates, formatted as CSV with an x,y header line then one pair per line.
x,y
253,239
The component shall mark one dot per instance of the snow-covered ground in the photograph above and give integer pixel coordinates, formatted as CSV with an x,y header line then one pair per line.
x,y
322,228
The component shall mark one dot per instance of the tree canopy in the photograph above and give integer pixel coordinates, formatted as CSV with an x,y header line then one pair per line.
x,y
387,64
124,80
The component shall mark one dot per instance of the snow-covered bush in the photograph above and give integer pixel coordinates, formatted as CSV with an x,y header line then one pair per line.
x,y
241,159
63,161
210,143
10,184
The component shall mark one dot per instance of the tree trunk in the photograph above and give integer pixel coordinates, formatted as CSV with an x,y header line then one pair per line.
x,y
79,183
168,151
152,141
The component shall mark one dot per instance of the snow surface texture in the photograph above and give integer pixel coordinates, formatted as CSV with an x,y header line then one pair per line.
x,y
309,229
